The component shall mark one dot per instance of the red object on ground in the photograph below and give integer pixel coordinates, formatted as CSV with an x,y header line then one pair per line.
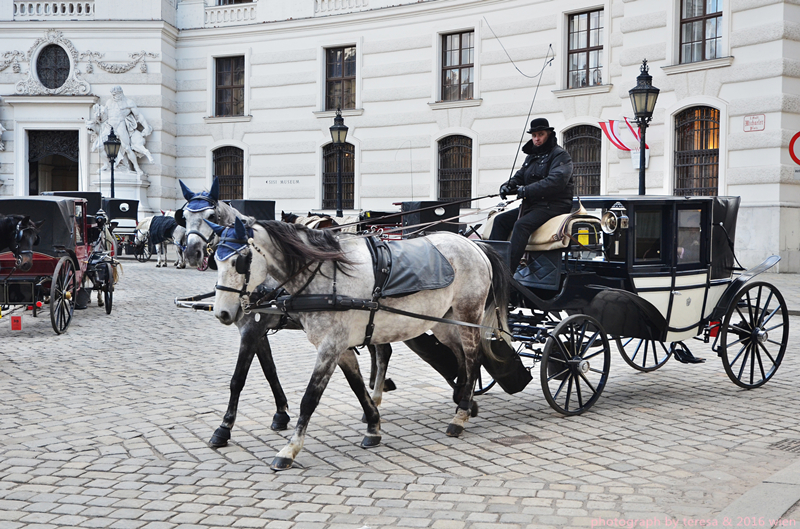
x,y
39,304
16,323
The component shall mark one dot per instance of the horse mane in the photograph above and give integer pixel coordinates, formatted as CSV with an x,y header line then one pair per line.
x,y
228,214
300,244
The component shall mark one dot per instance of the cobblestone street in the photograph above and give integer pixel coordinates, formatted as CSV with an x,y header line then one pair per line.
x,y
107,425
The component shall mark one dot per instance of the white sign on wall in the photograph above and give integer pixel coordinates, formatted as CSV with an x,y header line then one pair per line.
x,y
754,122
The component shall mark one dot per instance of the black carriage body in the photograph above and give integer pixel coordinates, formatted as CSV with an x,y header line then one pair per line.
x,y
64,234
658,279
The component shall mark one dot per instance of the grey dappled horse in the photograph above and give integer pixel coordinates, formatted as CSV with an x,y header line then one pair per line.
x,y
252,328
311,261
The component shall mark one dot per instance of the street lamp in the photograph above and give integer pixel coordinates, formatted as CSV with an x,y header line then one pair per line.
x,y
112,149
338,136
643,99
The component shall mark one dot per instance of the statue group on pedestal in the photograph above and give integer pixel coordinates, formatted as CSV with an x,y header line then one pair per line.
x,y
129,125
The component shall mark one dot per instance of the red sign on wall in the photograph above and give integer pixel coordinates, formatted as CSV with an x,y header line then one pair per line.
x,y
754,122
792,151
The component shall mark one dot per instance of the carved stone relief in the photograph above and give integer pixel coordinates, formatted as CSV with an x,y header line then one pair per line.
x,y
74,83
43,143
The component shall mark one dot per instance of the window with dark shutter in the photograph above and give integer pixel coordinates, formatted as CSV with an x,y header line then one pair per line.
x,y
340,78
583,143
229,169
330,155
697,152
455,168
229,86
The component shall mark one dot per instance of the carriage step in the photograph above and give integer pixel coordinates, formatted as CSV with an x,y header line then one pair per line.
x,y
683,355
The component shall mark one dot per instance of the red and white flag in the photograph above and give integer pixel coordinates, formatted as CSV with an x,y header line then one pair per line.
x,y
621,134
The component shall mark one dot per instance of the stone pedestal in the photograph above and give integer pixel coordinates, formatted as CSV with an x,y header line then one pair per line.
x,y
127,184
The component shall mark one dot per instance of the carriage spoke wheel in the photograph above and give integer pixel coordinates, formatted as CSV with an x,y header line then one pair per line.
x,y
575,363
62,295
484,383
108,287
643,355
754,335
142,252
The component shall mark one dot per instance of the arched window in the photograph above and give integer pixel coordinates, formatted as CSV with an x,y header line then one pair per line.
x,y
697,151
229,169
583,143
455,168
330,156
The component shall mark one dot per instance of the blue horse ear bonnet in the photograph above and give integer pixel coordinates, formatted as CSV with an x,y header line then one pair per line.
x,y
230,244
199,202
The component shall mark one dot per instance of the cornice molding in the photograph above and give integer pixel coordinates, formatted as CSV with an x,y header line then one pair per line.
x,y
461,103
586,91
696,66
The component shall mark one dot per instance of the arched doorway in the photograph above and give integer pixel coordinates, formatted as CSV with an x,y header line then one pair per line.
x,y
52,161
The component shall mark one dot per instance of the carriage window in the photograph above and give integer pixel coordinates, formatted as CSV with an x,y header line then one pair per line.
x,y
648,236
78,223
689,236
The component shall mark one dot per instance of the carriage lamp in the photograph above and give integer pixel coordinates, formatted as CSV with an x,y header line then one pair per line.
x,y
615,218
338,136
643,99
112,145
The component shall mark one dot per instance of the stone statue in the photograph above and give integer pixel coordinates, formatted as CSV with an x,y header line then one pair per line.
x,y
130,126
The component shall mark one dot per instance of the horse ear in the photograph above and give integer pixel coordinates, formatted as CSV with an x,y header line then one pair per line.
x,y
187,193
39,224
216,227
162,213
239,229
214,193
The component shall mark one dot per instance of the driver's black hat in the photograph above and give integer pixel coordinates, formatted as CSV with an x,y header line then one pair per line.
x,y
540,124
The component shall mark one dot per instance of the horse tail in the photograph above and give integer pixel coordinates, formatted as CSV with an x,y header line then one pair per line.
x,y
496,311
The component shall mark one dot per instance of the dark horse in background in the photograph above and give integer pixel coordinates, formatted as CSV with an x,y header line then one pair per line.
x,y
19,234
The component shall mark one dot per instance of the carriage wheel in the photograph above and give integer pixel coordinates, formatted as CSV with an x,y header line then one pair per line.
x,y
575,363
62,295
108,288
754,335
643,355
142,252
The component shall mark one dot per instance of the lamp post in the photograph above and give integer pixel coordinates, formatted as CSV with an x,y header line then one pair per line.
x,y
643,98
338,136
111,145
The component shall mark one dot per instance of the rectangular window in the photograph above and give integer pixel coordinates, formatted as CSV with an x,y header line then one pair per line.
x,y
340,78
648,236
585,58
229,86
701,30
689,232
229,2
458,66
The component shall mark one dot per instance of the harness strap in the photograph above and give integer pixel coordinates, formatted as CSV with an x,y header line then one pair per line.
x,y
382,264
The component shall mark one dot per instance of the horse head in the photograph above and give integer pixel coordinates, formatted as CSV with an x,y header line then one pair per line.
x,y
199,207
289,217
236,267
24,237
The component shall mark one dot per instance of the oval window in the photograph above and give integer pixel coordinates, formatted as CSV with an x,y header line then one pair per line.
x,y
52,66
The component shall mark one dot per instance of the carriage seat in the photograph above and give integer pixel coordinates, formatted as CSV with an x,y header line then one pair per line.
x,y
554,234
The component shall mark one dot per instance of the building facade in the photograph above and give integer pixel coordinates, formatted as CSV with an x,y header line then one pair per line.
x,y
436,95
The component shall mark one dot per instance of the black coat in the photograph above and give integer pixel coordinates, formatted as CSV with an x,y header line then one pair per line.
x,y
546,176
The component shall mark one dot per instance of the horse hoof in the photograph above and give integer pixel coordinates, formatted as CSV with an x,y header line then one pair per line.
x,y
280,421
220,437
388,385
473,412
281,463
371,441
454,430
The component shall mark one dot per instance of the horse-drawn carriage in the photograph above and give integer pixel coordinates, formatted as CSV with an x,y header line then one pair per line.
x,y
645,272
63,256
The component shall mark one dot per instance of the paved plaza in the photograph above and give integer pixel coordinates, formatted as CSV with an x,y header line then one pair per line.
x,y
107,426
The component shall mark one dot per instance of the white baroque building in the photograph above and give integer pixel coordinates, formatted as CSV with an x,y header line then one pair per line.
x,y
435,93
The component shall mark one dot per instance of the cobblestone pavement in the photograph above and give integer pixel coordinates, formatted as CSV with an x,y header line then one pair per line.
x,y
107,425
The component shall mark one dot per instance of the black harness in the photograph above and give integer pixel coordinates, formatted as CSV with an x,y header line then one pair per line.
x,y
244,257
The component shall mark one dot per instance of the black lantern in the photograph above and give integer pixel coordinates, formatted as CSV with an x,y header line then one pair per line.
x,y
111,145
338,136
643,99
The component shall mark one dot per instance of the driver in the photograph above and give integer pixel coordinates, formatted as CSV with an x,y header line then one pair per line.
x,y
545,185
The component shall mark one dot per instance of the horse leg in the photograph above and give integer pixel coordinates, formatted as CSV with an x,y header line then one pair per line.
x,y
246,352
470,349
280,421
379,360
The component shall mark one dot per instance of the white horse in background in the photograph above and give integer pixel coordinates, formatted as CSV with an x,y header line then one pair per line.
x,y
178,239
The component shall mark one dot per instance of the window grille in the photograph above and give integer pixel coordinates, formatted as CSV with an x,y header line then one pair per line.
x,y
52,66
585,61
583,143
458,66
455,168
697,152
229,169
230,86
330,156
701,30
340,78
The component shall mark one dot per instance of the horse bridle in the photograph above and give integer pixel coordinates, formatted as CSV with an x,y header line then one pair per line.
x,y
242,264
19,233
210,247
